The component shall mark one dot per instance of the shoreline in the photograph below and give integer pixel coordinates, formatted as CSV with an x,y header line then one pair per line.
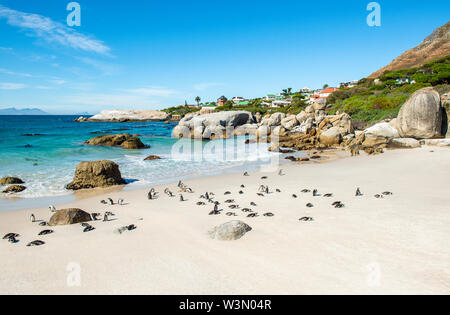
x,y
17,203
393,245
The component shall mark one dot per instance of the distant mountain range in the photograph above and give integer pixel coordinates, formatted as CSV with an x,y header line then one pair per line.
x,y
435,46
25,111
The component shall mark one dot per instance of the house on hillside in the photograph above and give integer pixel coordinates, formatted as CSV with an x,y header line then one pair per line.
x,y
283,103
222,100
327,92
274,97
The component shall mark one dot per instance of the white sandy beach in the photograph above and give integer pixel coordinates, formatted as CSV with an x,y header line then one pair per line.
x,y
395,245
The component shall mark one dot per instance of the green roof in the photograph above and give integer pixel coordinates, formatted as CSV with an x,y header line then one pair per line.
x,y
243,103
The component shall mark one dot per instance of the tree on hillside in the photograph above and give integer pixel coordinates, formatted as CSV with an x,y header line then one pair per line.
x,y
325,86
198,99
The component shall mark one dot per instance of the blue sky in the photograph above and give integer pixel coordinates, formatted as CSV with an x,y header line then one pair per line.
x,y
154,54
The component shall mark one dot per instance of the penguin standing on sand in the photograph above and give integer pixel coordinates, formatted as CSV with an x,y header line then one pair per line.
x,y
32,218
358,192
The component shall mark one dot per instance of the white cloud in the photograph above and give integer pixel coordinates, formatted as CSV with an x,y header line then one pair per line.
x,y
51,31
206,85
12,86
58,82
153,91
9,72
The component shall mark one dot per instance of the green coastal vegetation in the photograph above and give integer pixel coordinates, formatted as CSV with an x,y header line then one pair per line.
x,y
374,100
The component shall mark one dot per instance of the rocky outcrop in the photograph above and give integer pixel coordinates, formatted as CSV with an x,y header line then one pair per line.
x,y
96,174
69,216
14,189
11,181
124,140
422,116
230,231
435,46
212,126
128,116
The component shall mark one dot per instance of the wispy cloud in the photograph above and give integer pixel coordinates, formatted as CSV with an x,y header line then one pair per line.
x,y
104,67
153,91
206,85
12,86
51,31
19,74
113,100
58,82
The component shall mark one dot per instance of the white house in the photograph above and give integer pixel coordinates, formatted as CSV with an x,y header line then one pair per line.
x,y
281,103
238,99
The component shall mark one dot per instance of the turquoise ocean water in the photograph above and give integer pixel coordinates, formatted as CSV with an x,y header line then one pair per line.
x,y
45,150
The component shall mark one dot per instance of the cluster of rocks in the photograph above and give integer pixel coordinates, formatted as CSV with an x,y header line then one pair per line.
x,y
421,117
217,125
124,140
14,185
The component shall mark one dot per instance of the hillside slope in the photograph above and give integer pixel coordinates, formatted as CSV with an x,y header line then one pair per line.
x,y
435,46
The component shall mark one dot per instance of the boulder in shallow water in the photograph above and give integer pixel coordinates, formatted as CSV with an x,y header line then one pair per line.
x,y
152,158
11,181
124,140
96,174
422,116
69,216
14,189
229,231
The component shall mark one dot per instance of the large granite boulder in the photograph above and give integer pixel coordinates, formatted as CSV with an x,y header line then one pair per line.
x,y
14,189
289,122
304,116
229,231
422,116
331,137
129,115
273,120
11,181
69,216
380,133
96,174
124,140
248,129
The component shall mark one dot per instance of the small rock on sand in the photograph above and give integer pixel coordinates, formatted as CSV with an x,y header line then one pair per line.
x,y
229,231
